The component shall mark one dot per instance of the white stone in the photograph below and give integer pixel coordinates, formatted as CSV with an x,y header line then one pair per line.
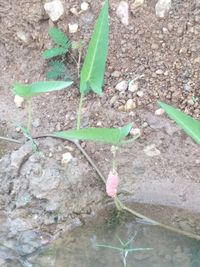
x,y
19,101
122,86
84,6
123,12
162,8
159,112
74,11
135,132
136,4
130,104
140,93
73,28
133,86
54,9
66,158
151,150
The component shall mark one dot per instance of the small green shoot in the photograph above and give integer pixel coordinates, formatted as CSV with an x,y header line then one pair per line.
x,y
58,70
92,72
27,91
112,136
61,40
125,248
28,136
189,125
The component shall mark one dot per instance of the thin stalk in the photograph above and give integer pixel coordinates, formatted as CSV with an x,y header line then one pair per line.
x,y
10,140
29,115
79,112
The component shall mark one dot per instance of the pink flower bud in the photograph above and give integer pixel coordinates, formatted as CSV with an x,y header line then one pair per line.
x,y
112,184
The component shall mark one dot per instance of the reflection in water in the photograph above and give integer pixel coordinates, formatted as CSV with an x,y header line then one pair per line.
x,y
80,248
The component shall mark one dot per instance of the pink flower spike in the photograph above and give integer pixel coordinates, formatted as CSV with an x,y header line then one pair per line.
x,y
112,184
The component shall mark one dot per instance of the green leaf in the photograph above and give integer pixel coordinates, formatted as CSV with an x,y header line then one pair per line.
x,y
189,125
58,70
106,135
92,73
30,90
54,52
59,37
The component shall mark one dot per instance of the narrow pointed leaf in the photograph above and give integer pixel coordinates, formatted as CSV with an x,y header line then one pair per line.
x,y
108,246
30,90
59,37
106,135
189,125
92,73
137,249
54,52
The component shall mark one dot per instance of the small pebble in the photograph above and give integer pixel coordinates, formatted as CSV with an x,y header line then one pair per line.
x,y
159,112
123,12
116,74
136,4
151,150
73,28
122,86
66,158
135,131
84,6
54,9
162,8
133,86
18,100
159,72
140,93
74,11
130,104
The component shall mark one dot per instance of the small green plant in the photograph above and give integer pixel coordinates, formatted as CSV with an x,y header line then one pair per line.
x,y
125,248
62,42
57,55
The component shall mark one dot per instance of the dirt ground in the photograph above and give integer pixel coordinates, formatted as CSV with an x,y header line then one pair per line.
x,y
163,53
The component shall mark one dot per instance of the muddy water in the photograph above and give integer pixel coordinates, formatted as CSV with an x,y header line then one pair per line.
x,y
80,248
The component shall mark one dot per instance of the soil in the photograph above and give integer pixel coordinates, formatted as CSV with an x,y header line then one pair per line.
x,y
163,53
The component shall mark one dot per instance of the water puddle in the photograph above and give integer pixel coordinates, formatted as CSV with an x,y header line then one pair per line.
x,y
101,244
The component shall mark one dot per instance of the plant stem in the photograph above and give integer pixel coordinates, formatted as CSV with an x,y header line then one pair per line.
x,y
29,115
10,140
79,112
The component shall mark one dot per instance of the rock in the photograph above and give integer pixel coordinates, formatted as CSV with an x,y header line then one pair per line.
x,y
151,150
130,104
66,158
54,9
133,86
74,11
135,131
123,12
84,6
73,28
116,74
159,112
136,4
162,8
113,100
44,185
159,72
122,86
19,101
18,157
140,93
190,102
